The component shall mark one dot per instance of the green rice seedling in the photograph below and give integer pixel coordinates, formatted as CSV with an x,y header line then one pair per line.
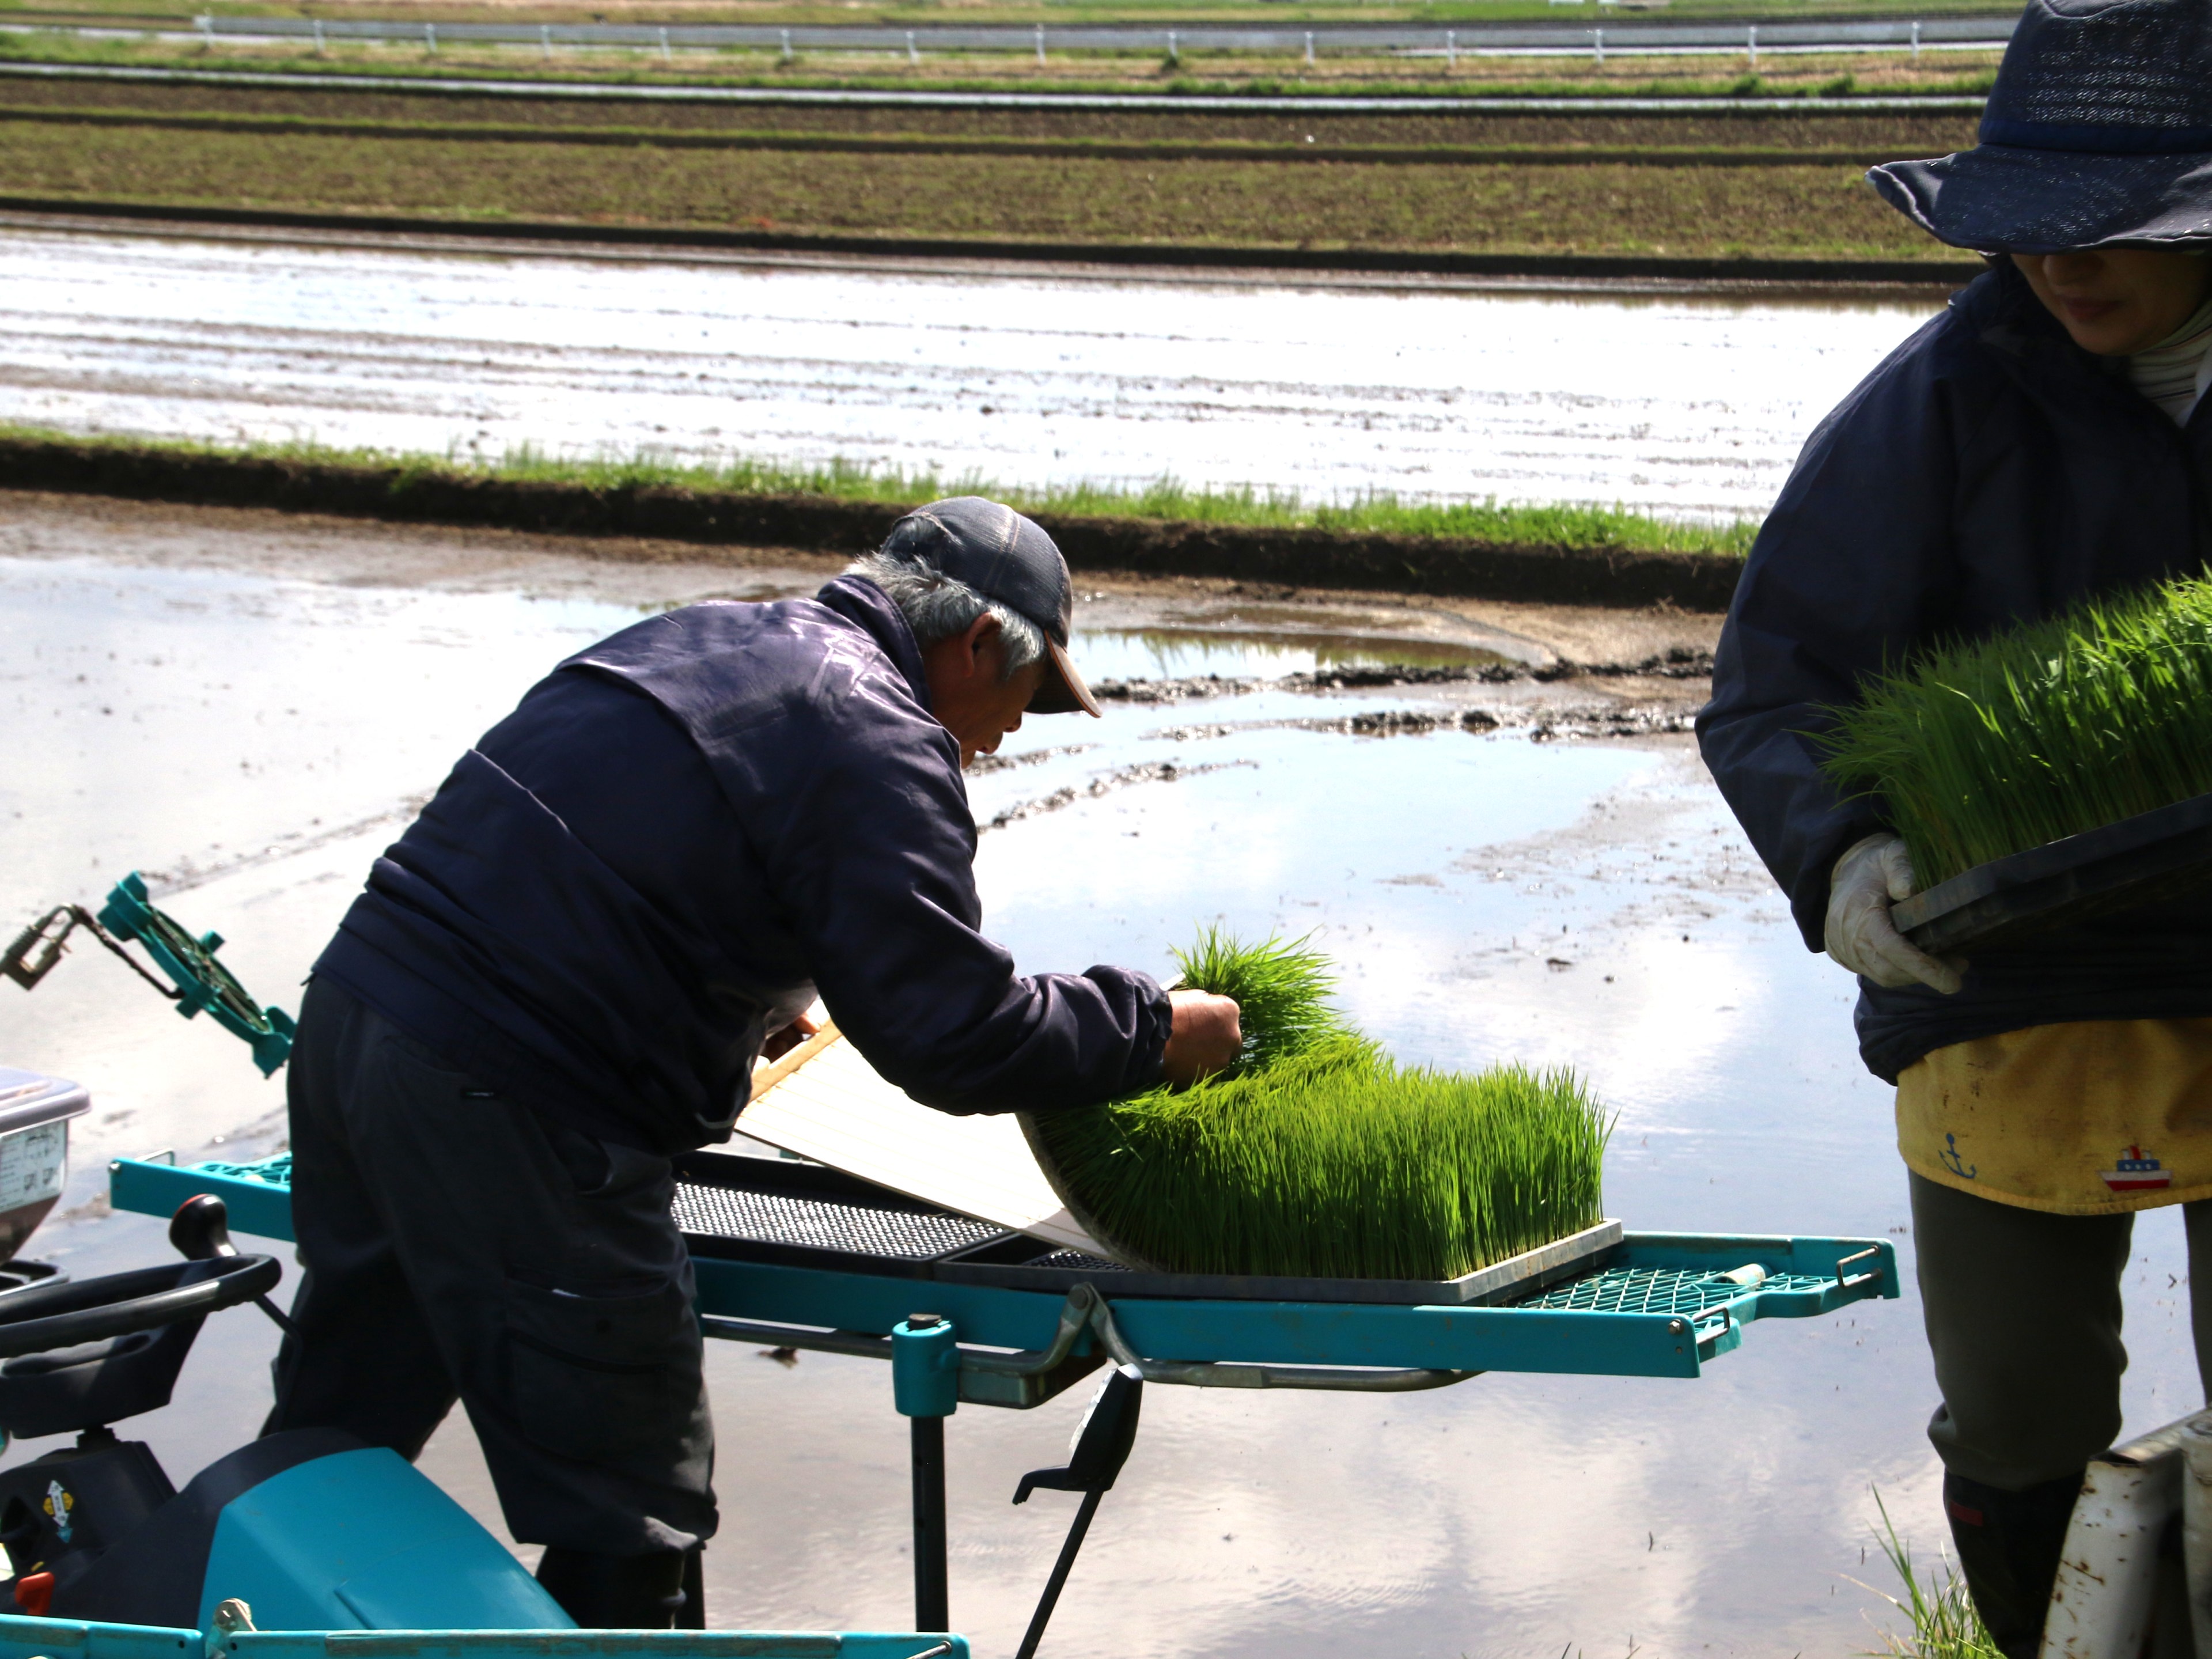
x,y
1944,1624
1988,747
1318,1156
1281,990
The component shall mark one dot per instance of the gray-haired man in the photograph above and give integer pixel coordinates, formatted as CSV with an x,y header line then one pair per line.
x,y
561,977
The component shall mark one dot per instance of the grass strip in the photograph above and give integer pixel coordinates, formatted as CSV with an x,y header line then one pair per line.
x,y
1567,526
1792,211
1150,149
1989,747
1318,1156
1942,1620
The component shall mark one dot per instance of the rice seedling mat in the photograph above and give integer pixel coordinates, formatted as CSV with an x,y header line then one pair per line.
x,y
741,1208
1017,1266
2137,860
824,1102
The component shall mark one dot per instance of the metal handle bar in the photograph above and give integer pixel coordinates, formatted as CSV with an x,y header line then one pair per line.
x,y
1085,1308
49,1316
1209,1374
1844,1283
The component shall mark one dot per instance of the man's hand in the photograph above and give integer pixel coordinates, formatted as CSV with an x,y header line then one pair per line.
x,y
1871,876
781,1043
1205,1036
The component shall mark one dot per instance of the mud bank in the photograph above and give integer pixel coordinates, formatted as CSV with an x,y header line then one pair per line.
x,y
1304,557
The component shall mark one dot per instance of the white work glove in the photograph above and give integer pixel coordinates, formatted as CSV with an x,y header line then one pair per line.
x,y
1875,874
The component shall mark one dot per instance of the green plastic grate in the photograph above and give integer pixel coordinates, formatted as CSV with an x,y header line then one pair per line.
x,y
1661,1290
269,1171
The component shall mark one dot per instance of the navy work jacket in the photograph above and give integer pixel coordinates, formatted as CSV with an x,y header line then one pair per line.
x,y
1990,472
675,839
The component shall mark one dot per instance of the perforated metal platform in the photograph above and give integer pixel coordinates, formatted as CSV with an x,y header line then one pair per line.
x,y
760,1218
1660,1290
1078,1261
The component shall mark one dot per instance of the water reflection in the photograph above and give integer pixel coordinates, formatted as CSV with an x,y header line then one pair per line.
x,y
1587,904
1174,653
1690,407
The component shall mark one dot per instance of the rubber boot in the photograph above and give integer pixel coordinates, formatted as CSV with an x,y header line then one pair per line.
x,y
622,1592
2008,1544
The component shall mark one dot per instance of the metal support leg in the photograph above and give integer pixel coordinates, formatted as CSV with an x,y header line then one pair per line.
x,y
925,1383
931,1592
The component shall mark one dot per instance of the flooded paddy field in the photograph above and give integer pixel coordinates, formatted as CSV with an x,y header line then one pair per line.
x,y
1682,405
250,706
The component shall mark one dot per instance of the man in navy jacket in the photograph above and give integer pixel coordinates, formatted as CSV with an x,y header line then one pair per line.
x,y
563,973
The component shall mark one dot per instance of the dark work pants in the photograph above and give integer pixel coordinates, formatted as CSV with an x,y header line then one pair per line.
x,y
455,1244
2023,1315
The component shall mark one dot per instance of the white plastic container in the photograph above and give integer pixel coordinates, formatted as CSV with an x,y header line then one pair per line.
x,y
34,1118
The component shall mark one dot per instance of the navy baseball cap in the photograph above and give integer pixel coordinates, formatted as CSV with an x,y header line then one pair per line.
x,y
1008,558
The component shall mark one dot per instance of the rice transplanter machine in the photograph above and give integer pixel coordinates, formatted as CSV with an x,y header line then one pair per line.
x,y
306,1545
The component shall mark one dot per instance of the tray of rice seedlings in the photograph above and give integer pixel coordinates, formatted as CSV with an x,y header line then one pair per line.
x,y
1318,1168
2046,775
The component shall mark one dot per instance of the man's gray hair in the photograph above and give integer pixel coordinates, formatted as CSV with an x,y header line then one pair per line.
x,y
937,606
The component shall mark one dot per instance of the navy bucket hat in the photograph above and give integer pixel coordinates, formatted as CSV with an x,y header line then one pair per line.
x,y
2099,134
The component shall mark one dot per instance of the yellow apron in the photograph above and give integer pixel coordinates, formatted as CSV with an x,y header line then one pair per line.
x,y
2090,1118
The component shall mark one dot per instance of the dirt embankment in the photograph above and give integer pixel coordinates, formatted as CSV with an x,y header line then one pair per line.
x,y
1304,557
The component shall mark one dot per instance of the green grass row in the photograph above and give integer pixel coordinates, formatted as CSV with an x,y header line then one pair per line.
x,y
1568,526
755,68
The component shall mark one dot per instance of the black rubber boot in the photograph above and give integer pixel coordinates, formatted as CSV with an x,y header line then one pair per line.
x,y
2009,1544
624,1592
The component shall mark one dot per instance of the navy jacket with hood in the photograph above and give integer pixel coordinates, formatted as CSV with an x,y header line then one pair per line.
x,y
1990,472
675,839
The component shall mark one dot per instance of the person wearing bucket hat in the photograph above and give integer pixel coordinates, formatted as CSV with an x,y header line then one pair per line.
x,y
561,977
2047,438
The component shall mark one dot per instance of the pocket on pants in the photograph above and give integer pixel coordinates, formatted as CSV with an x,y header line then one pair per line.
x,y
602,1378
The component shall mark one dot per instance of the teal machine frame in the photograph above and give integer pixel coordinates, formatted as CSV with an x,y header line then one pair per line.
x,y
1654,1304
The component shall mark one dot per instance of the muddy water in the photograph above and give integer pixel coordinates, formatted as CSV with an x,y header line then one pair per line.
x,y
1690,407
259,736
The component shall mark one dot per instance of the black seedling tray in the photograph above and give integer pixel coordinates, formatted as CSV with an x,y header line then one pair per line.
x,y
2138,860
805,1215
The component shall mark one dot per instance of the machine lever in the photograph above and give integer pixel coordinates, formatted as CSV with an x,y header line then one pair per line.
x,y
1094,1456
1051,1599
201,1231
